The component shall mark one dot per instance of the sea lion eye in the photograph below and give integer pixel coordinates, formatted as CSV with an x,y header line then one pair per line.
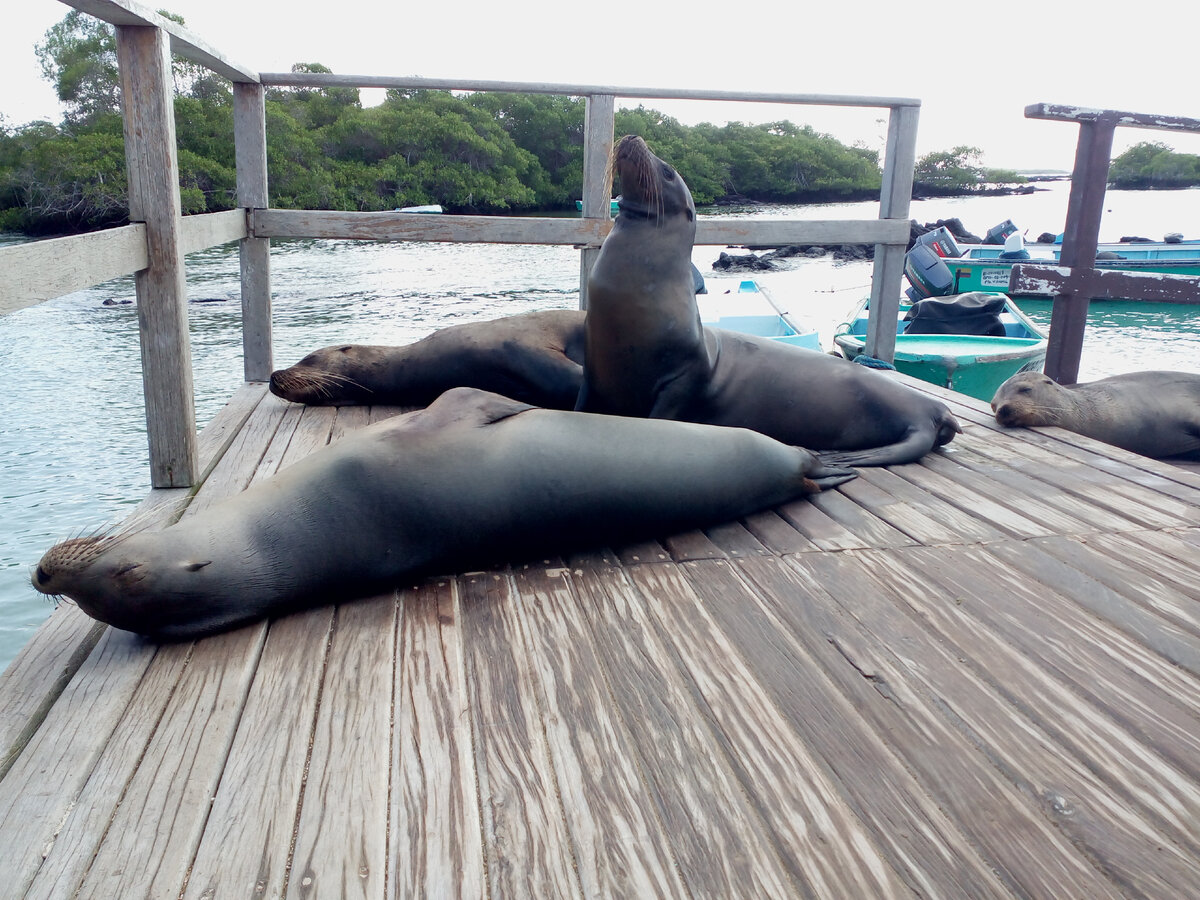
x,y
668,173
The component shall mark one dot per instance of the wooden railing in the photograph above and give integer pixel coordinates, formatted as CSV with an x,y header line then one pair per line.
x,y
153,246
1075,282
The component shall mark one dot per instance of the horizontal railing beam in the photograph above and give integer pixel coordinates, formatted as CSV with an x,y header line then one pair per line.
x,y
1080,114
328,80
1029,279
399,226
42,270
183,42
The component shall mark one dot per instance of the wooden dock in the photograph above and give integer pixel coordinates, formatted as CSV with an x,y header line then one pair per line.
x,y
976,676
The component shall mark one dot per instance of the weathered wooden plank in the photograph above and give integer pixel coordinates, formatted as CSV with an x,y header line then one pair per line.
x,y
817,526
39,270
1148,629
618,845
925,518
1081,114
720,843
40,672
525,836
148,841
211,229
777,534
1103,557
693,545
152,164
325,79
250,147
1012,473
341,832
895,193
1042,280
909,829
436,846
183,42
1140,689
1023,498
48,778
247,840
841,506
398,226
1031,841
823,842
736,540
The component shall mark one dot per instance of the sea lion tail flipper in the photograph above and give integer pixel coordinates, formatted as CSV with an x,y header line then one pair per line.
x,y
820,476
917,441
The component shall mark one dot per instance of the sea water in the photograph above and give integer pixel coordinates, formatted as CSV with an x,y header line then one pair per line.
x,y
72,429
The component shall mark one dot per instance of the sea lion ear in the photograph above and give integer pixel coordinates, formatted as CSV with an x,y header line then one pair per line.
x,y
197,566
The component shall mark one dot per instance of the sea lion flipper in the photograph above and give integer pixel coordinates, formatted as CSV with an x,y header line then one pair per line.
x,y
822,477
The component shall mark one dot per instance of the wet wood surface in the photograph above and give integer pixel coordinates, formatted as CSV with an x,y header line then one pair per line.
x,y
974,676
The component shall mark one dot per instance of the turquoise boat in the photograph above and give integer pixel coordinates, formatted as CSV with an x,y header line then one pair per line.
x,y
971,364
980,267
613,206
751,309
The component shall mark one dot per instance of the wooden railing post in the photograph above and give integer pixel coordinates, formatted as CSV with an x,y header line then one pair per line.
x,y
250,146
598,132
147,90
1085,206
894,197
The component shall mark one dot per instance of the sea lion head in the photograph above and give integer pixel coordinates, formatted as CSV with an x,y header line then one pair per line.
x,y
1028,398
650,188
331,375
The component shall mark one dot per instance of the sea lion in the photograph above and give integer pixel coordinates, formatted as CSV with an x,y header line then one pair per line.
x,y
1155,414
472,480
797,396
535,358
645,352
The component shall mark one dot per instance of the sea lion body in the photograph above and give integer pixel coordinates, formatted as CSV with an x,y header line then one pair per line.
x,y
645,352
474,479
1153,413
534,358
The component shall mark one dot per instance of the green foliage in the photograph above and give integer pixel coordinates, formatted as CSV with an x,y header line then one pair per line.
x,y
949,171
79,56
1154,165
477,153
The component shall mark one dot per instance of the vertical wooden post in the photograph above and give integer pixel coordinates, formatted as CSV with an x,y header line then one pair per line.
x,y
1085,206
250,146
597,181
894,197
147,91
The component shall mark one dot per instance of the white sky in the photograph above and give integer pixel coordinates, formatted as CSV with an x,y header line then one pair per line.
x,y
974,65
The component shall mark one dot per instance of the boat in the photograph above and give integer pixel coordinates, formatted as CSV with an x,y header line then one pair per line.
x,y
972,364
613,206
428,208
986,267
751,309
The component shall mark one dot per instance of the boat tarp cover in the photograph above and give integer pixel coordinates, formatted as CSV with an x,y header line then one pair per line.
x,y
974,313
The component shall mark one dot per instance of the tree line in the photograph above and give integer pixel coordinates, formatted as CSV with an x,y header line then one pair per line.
x,y
476,153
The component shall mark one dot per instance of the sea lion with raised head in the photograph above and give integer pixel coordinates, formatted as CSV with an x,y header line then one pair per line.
x,y
1152,413
645,352
473,480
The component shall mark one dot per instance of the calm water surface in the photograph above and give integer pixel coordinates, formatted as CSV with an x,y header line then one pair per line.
x,y
72,429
